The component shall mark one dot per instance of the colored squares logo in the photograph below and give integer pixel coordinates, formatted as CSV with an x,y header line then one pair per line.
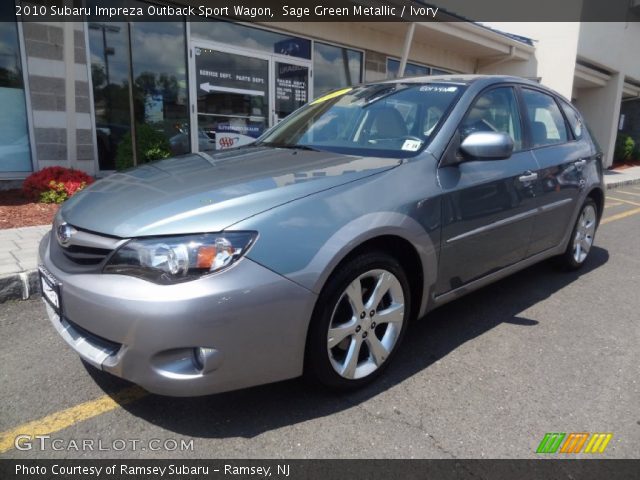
x,y
574,442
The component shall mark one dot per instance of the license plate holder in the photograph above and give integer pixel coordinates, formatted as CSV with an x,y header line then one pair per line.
x,y
50,288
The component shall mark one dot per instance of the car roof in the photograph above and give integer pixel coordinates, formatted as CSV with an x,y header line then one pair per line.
x,y
468,79
459,78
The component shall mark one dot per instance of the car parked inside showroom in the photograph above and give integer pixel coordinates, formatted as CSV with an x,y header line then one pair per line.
x,y
312,249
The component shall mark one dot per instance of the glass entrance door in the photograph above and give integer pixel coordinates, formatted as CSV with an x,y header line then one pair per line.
x,y
232,99
240,94
292,88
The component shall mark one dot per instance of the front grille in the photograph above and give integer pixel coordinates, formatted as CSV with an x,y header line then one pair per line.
x,y
85,255
84,252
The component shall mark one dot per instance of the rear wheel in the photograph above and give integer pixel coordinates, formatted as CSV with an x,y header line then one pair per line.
x,y
582,237
360,319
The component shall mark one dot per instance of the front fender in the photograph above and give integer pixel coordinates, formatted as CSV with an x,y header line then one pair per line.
x,y
306,240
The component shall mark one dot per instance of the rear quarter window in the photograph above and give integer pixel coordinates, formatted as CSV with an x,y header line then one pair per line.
x,y
574,119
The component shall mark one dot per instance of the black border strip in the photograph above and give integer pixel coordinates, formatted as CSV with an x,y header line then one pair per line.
x,y
350,10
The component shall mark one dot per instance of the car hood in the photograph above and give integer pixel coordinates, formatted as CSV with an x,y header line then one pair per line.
x,y
201,193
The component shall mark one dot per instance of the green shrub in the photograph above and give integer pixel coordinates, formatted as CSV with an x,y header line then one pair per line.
x,y
636,152
624,148
150,145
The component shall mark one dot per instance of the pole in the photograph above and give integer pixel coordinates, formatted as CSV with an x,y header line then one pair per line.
x,y
408,38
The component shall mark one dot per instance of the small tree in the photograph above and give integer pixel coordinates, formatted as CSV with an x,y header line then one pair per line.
x,y
150,145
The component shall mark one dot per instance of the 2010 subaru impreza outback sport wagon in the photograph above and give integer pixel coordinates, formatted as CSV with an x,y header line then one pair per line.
x,y
314,247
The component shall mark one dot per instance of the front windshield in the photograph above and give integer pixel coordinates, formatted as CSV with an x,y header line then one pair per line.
x,y
392,119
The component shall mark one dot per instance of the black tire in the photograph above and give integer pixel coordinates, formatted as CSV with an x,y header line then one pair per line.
x,y
319,357
569,260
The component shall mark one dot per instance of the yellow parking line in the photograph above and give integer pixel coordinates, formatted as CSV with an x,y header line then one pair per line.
x,y
65,418
613,204
620,216
629,193
624,201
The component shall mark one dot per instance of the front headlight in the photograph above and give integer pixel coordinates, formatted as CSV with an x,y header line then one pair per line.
x,y
168,260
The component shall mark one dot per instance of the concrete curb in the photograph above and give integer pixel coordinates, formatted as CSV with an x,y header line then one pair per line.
x,y
19,286
622,183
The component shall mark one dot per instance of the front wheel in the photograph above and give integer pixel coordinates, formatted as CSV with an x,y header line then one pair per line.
x,y
359,321
582,237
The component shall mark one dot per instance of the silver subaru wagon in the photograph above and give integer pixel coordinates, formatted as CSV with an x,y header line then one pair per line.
x,y
312,249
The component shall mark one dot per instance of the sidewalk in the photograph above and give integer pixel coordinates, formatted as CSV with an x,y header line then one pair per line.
x,y
18,261
620,178
19,247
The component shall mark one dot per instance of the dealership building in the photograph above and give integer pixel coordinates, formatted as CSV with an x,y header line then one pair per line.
x,y
79,94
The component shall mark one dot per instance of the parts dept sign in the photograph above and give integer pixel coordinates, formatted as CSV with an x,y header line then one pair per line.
x,y
228,73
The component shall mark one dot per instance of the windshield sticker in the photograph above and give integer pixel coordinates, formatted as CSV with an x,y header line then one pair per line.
x,y
331,95
411,145
440,89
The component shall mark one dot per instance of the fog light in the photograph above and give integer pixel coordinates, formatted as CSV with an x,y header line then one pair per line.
x,y
206,359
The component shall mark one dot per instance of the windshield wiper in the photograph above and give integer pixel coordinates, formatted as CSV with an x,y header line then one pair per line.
x,y
289,146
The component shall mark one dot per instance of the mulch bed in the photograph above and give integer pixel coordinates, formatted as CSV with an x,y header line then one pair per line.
x,y
624,166
18,211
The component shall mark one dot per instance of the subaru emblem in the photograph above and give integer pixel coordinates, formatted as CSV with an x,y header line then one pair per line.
x,y
64,232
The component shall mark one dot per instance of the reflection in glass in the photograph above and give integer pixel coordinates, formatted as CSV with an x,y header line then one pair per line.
x,y
384,120
156,52
109,47
335,67
292,85
410,70
15,154
233,93
251,38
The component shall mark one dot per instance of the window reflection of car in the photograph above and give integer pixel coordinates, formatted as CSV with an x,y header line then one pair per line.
x,y
109,136
15,150
181,142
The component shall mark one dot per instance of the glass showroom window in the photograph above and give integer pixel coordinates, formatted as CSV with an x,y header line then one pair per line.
x,y
411,70
15,154
139,75
335,67
250,38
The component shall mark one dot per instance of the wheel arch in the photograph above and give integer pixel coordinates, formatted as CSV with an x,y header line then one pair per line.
x,y
597,195
404,252
398,247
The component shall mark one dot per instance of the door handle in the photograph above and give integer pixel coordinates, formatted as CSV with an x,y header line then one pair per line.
x,y
528,177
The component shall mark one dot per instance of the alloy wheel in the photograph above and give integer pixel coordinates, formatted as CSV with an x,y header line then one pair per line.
x,y
365,324
585,231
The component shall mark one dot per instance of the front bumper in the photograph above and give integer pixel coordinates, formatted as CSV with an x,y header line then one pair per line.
x,y
253,320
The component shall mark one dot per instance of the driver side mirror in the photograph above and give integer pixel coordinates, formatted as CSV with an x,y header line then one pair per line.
x,y
487,146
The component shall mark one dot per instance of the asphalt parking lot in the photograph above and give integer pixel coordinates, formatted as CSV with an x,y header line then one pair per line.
x,y
487,376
